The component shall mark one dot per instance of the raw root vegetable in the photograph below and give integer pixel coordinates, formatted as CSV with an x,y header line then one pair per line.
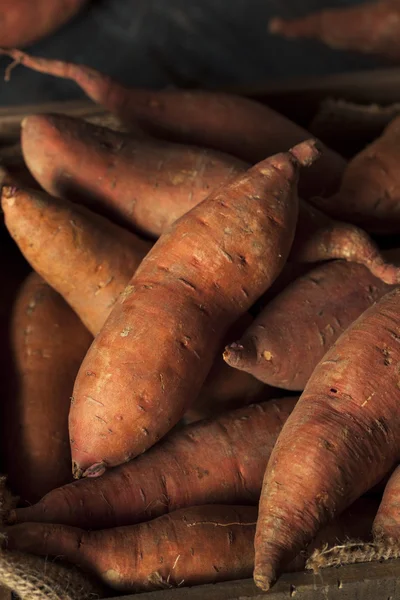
x,y
205,544
191,546
319,237
369,195
232,124
24,21
340,440
48,343
150,359
143,183
219,461
285,343
82,255
387,520
370,28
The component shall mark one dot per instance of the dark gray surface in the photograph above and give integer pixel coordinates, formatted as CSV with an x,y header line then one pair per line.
x,y
183,43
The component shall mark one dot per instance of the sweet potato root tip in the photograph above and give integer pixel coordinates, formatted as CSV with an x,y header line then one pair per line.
x,y
306,153
264,580
238,356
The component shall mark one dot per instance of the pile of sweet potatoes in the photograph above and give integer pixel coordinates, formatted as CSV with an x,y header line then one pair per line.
x,y
203,331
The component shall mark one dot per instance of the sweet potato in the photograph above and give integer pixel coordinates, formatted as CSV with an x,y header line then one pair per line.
x,y
340,440
387,520
48,344
285,343
369,195
24,21
370,28
82,255
319,237
190,546
236,125
152,356
143,184
196,465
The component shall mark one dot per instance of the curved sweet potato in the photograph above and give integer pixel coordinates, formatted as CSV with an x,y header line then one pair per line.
x,y
371,28
48,344
144,184
221,461
290,336
233,124
340,440
82,255
152,356
387,520
24,21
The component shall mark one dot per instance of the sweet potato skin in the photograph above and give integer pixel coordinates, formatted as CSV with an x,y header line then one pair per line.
x,y
191,546
387,520
48,344
143,184
219,461
371,28
340,439
226,122
196,281
290,336
83,256
24,22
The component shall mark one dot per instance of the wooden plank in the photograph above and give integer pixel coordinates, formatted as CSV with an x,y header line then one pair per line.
x,y
367,581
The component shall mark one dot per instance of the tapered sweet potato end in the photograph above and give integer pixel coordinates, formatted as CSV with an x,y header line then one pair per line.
x,y
240,356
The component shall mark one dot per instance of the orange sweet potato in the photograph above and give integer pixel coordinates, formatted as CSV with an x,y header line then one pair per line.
x,y
387,520
142,183
239,126
152,356
204,544
371,28
48,343
196,465
319,237
83,256
24,21
290,336
369,195
340,440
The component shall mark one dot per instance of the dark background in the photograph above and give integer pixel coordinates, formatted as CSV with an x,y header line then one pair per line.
x,y
183,43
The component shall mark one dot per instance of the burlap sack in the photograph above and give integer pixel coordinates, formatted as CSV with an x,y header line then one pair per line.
x,y
35,578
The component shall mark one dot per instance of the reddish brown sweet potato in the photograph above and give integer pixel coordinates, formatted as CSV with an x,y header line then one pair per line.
x,y
190,546
371,28
285,343
24,21
340,440
151,358
387,520
82,255
144,184
369,195
196,465
319,237
239,126
48,345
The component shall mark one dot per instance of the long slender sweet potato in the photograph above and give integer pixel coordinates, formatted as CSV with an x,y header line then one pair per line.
x,y
285,343
340,440
48,345
82,255
371,28
152,356
239,126
221,461
369,195
24,21
319,237
190,546
387,520
142,183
